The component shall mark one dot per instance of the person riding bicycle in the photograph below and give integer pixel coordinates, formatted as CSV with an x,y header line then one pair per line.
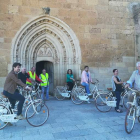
x,y
32,75
134,81
45,85
11,92
86,79
117,88
70,80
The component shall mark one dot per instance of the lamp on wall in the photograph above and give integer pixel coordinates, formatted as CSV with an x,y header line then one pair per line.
x,y
46,10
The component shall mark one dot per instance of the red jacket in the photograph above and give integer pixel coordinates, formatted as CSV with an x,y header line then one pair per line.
x,y
36,78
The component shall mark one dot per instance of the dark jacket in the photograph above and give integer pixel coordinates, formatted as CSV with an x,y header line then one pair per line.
x,y
11,82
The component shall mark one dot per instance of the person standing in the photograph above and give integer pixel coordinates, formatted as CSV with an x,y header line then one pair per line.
x,y
117,88
70,80
45,85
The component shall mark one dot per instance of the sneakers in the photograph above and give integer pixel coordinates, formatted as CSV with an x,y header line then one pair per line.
x,y
89,94
88,102
20,117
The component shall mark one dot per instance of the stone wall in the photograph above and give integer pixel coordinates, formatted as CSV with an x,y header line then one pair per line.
x,y
105,29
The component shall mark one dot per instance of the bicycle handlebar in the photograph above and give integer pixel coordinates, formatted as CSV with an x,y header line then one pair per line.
x,y
132,90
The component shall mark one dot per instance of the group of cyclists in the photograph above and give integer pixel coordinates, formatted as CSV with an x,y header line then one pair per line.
x,y
25,80
15,77
117,84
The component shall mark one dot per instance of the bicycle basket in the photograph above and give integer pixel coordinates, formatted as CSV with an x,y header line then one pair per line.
x,y
111,103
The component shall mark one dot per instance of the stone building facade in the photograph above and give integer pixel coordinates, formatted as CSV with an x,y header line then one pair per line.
x,y
99,33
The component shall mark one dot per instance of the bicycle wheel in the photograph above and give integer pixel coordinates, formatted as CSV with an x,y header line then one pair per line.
x,y
125,100
3,111
75,98
37,95
58,95
130,119
37,114
139,119
100,102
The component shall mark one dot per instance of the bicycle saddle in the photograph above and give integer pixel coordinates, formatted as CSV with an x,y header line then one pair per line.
x,y
3,95
82,86
109,89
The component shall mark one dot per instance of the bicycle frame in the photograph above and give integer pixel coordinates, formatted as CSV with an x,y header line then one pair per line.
x,y
134,103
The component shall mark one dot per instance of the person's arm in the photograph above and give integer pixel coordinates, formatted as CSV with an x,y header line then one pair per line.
x,y
84,77
131,80
72,78
28,78
17,81
115,80
38,79
68,76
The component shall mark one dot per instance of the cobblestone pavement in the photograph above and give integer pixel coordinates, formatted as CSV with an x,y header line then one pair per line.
x,y
68,121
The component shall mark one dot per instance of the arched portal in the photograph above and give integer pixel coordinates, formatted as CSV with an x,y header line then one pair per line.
x,y
47,38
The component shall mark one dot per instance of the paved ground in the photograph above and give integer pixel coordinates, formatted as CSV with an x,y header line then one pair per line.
x,y
68,121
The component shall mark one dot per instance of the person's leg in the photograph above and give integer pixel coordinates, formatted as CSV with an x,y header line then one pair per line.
x,y
118,94
42,92
18,97
12,101
87,87
47,92
71,86
21,100
68,83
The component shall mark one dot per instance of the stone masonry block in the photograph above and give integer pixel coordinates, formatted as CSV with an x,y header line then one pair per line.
x,y
92,2
1,40
131,69
122,65
16,2
13,9
128,59
103,2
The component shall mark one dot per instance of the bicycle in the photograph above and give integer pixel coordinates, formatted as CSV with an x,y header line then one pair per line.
x,y
79,93
61,92
124,96
36,113
133,112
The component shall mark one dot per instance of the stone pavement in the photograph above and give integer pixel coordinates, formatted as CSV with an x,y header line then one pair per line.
x,y
68,121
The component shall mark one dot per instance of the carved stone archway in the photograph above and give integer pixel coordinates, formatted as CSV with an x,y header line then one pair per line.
x,y
47,38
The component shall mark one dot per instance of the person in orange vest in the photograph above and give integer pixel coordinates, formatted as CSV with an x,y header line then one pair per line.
x,y
45,85
32,75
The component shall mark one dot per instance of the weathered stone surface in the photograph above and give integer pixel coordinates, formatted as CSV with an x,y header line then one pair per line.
x,y
105,29
13,9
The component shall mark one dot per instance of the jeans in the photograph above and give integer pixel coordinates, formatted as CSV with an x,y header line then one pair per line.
x,y
118,98
86,87
43,91
15,97
70,85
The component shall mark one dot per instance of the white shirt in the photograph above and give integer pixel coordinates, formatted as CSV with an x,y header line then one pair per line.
x,y
135,79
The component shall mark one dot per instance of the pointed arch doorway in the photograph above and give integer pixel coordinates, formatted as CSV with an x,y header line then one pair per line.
x,y
47,38
48,66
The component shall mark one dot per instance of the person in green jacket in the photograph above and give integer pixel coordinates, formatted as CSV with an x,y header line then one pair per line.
x,y
70,79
